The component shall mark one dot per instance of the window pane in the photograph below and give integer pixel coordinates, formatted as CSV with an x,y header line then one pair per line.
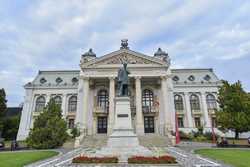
x,y
40,104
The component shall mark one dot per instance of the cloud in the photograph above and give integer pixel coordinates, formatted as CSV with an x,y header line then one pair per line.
x,y
49,34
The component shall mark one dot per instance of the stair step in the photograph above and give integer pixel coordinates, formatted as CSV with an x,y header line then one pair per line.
x,y
153,140
95,141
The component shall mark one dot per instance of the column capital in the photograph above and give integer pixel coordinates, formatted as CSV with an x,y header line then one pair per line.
x,y
137,77
111,78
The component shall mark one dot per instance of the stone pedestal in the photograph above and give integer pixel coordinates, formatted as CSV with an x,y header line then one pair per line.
x,y
123,142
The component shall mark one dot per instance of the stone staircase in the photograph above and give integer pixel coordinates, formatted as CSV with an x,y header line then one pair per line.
x,y
148,140
95,141
154,140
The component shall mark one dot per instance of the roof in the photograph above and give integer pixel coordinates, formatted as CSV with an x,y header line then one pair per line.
x,y
192,75
56,78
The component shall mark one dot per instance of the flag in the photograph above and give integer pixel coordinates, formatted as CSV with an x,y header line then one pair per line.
x,y
177,134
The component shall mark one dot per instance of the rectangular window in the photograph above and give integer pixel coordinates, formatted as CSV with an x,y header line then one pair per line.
x,y
180,122
197,122
71,123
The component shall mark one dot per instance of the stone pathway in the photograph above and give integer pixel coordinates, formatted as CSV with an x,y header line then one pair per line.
x,y
184,158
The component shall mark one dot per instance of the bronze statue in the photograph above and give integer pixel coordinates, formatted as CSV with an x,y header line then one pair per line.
x,y
123,80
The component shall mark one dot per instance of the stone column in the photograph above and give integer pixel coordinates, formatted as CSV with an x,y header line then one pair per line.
x,y
139,115
85,103
207,122
188,111
79,112
165,98
111,104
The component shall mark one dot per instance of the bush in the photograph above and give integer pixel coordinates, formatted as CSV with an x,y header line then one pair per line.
x,y
50,129
166,159
200,138
209,136
75,132
85,159
186,136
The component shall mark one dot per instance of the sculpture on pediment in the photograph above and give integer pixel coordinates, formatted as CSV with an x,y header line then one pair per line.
x,y
123,80
127,58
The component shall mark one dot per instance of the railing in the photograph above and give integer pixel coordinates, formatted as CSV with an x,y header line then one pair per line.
x,y
152,109
101,109
180,111
196,111
211,110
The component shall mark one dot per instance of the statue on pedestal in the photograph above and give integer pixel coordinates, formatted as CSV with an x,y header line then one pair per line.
x,y
123,80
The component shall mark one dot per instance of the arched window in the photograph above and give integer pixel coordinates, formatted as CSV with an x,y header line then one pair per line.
x,y
147,100
58,100
103,99
178,102
194,102
211,102
40,103
72,104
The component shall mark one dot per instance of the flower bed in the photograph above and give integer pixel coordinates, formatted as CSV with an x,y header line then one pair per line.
x,y
85,159
166,159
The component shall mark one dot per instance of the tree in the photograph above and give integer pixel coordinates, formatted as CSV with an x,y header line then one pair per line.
x,y
49,130
3,108
10,128
234,108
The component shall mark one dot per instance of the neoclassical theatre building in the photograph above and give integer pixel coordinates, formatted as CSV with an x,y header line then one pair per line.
x,y
156,91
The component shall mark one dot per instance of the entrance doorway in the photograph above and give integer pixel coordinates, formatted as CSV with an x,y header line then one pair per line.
x,y
149,124
101,124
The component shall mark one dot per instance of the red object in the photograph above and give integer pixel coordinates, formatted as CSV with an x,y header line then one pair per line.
x,y
165,159
177,134
213,135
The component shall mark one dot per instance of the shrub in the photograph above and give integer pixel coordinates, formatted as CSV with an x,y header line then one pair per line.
x,y
75,132
200,138
50,129
165,159
85,159
209,136
185,136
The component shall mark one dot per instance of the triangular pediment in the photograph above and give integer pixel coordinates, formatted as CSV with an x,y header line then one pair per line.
x,y
124,55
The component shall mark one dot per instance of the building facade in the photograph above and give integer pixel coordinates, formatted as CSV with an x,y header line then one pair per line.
x,y
156,92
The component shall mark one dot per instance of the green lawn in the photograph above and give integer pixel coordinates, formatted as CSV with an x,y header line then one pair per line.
x,y
19,159
235,157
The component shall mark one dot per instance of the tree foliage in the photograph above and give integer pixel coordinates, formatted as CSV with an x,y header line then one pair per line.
x,y
10,128
234,108
3,108
49,129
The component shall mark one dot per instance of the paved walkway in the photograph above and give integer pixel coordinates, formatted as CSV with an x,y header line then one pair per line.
x,y
183,154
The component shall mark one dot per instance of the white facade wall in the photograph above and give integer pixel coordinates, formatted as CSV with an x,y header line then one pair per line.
x,y
154,74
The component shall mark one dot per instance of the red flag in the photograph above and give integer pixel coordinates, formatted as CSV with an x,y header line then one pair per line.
x,y
177,134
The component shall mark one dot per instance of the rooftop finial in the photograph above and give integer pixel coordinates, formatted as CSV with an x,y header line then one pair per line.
x,y
124,44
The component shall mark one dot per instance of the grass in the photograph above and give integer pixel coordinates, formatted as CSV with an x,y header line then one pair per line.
x,y
235,157
19,159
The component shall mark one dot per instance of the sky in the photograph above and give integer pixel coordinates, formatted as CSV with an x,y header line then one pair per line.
x,y
52,35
